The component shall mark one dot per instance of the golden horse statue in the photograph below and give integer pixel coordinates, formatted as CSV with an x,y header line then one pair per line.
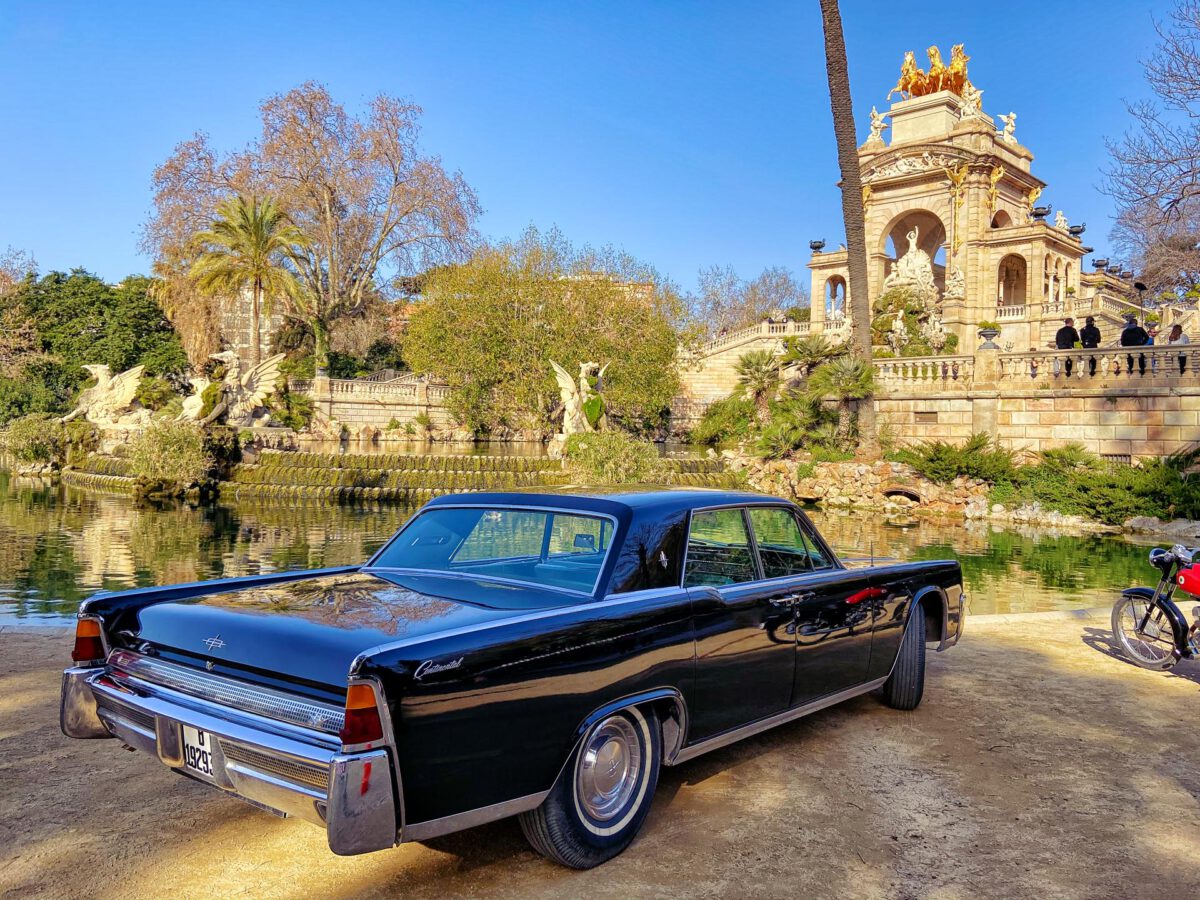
x,y
938,75
957,71
912,79
915,82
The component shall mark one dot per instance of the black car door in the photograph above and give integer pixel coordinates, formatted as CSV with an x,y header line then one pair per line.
x,y
833,608
745,645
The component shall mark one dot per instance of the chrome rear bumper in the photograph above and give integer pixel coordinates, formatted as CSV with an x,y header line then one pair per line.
x,y
291,770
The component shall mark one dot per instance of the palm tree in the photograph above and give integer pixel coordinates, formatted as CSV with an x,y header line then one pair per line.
x,y
758,373
837,69
250,245
809,351
847,379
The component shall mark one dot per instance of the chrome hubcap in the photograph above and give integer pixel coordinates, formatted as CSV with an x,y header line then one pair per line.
x,y
608,769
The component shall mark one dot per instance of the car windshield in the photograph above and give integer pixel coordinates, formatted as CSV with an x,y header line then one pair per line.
x,y
551,549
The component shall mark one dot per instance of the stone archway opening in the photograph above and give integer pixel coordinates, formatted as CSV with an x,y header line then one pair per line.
x,y
1001,219
835,297
897,491
1012,281
930,237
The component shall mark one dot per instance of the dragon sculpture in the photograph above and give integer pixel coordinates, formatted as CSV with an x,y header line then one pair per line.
x,y
243,391
583,405
110,398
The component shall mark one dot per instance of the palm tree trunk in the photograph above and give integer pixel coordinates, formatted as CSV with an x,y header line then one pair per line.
x,y
837,68
255,325
844,422
321,344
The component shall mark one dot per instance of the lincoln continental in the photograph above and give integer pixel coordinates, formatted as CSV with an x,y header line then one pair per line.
x,y
531,654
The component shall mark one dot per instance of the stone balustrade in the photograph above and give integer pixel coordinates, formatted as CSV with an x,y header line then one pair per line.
x,y
1010,312
1115,366
834,327
930,372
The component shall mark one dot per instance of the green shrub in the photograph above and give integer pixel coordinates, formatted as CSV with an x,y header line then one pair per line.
x,y
422,420
154,393
978,458
725,421
170,455
36,438
612,457
294,411
1069,458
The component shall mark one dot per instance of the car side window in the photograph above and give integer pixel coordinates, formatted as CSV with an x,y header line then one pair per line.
x,y
718,550
782,546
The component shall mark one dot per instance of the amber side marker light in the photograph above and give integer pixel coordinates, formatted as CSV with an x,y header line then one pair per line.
x,y
89,647
362,724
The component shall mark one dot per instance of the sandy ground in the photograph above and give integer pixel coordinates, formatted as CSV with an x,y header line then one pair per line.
x,y
1039,765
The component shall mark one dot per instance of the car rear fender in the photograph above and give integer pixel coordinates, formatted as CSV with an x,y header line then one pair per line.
x,y
932,600
667,702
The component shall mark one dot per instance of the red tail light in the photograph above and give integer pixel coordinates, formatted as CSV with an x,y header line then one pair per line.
x,y
362,725
89,646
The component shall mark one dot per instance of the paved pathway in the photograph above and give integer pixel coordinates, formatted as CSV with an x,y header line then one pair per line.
x,y
1038,766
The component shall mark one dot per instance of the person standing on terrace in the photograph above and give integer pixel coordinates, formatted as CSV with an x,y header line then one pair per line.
x,y
1177,337
1134,335
1066,338
1089,337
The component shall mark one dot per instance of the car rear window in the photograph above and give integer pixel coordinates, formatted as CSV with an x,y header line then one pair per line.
x,y
551,549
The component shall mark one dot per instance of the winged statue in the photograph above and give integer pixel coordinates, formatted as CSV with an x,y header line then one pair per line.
x,y
244,389
194,402
583,404
111,396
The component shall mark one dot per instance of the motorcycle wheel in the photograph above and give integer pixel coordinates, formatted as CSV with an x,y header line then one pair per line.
x,y
1151,648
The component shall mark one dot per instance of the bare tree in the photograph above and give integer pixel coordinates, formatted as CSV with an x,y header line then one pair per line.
x,y
1155,173
372,206
726,302
837,69
14,266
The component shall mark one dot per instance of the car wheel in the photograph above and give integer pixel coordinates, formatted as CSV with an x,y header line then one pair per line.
x,y
906,684
603,795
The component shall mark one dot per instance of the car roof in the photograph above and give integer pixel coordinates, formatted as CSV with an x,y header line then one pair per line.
x,y
640,499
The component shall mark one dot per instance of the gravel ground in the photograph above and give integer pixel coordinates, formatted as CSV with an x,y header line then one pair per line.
x,y
1039,765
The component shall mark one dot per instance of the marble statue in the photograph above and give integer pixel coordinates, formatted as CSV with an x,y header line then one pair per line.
x,y
193,403
1010,127
244,390
955,284
914,269
1060,221
972,102
877,126
897,335
111,400
583,404
932,330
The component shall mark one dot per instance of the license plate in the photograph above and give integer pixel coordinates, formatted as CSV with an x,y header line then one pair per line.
x,y
197,751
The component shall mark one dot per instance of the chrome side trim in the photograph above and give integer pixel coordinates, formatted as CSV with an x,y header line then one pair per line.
x,y
423,831
745,731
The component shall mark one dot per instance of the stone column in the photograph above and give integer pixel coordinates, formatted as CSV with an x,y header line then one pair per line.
x,y
322,394
985,394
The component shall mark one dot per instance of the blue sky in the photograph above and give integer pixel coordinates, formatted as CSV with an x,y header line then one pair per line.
x,y
688,133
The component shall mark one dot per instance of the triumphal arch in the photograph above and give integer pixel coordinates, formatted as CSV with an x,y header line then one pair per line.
x,y
955,213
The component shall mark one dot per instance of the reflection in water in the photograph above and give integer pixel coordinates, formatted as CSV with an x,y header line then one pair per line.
x,y
1005,569
59,544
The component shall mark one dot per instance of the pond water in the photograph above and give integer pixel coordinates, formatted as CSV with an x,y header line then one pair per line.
x,y
59,544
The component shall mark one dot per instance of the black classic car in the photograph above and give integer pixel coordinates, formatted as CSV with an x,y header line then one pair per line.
x,y
506,653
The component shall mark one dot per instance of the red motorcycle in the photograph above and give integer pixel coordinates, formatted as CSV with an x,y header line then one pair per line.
x,y
1146,622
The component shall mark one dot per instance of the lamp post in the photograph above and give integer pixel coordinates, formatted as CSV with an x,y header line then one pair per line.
x,y
1141,289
